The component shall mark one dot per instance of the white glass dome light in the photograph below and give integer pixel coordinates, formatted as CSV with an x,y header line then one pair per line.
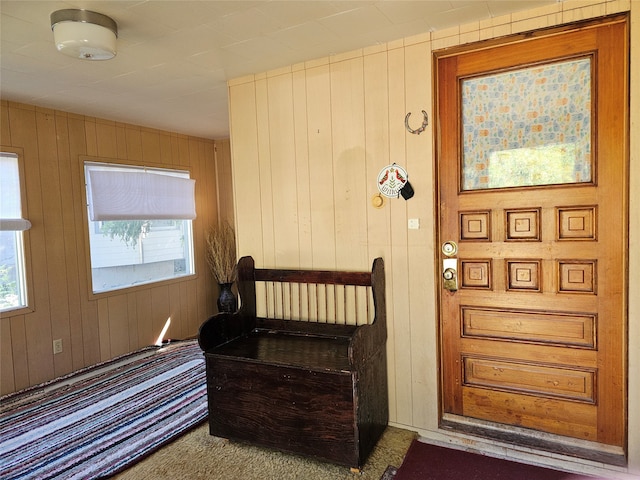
x,y
84,34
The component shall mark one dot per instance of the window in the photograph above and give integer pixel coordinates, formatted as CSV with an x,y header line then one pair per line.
x,y
131,240
528,127
13,287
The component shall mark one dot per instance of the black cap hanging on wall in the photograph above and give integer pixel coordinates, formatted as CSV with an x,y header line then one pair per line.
x,y
407,191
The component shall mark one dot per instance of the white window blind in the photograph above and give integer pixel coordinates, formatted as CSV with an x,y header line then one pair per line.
x,y
131,195
14,224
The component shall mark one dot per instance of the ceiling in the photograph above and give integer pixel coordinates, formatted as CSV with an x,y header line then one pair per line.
x,y
175,57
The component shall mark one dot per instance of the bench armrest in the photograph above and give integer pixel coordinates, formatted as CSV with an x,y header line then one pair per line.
x,y
222,328
369,339
365,343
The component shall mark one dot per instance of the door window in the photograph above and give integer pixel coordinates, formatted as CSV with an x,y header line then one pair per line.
x,y
528,127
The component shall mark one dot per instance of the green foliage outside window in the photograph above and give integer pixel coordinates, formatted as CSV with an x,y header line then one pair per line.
x,y
127,230
8,288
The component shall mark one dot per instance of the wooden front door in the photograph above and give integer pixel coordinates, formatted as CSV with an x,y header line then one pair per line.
x,y
532,185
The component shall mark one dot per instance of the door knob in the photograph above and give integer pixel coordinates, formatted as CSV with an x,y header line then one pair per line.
x,y
450,274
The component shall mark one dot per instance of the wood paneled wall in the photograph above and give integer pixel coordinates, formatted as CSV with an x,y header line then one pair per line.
x,y
307,144
224,183
53,145
303,198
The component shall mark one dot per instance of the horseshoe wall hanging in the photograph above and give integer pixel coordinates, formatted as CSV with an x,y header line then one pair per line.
x,y
417,131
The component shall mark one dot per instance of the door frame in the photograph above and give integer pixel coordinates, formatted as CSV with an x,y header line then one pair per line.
x,y
495,431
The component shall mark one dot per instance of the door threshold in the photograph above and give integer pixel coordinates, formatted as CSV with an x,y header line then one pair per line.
x,y
525,437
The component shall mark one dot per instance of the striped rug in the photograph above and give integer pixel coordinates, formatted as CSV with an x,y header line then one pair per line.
x,y
104,418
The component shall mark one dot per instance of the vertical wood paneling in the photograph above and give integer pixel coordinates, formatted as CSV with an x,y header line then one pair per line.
x,y
264,169
195,160
134,145
282,171
242,123
160,309
183,156
209,160
85,340
91,333
198,160
143,315
206,165
165,153
104,334
340,178
106,139
321,170
421,269
37,326
303,180
71,333
91,137
92,328
175,149
189,299
55,243
7,377
347,125
5,132
150,144
185,312
347,106
347,110
376,83
132,316
400,261
121,140
177,326
19,359
118,311
224,181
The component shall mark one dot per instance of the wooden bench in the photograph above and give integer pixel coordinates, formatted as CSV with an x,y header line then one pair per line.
x,y
301,367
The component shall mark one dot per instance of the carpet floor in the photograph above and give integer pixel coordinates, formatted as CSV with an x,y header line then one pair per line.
x,y
197,455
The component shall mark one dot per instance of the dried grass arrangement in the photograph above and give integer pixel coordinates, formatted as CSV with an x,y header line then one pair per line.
x,y
221,253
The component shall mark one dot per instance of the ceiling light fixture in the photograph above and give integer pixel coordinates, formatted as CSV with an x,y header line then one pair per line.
x,y
84,34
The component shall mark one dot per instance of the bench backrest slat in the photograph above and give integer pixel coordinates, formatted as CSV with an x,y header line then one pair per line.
x,y
315,302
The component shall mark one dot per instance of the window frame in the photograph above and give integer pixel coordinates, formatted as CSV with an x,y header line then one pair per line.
x,y
29,305
84,160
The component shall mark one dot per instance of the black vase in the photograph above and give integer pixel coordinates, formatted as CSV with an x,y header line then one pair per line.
x,y
226,299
